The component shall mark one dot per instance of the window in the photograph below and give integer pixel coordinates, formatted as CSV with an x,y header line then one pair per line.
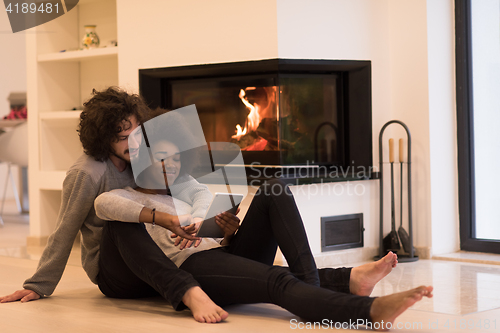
x,y
477,24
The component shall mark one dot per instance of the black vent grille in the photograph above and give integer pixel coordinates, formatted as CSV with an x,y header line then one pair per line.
x,y
341,232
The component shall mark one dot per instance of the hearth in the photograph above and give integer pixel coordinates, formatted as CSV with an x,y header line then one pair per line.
x,y
282,113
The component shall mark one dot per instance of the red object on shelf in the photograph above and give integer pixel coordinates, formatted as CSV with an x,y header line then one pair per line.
x,y
17,113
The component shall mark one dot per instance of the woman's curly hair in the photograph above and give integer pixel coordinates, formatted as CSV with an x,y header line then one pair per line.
x,y
175,129
104,116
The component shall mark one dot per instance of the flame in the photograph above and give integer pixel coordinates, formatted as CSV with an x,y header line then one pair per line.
x,y
239,132
253,118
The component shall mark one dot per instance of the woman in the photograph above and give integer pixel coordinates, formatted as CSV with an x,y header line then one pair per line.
x,y
241,271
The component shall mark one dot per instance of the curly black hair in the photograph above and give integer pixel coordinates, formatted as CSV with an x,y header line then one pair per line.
x,y
105,115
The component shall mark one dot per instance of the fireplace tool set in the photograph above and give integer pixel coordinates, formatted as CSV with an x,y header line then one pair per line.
x,y
392,241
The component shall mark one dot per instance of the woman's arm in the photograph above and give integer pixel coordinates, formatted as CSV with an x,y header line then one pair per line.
x,y
194,193
125,206
165,220
118,205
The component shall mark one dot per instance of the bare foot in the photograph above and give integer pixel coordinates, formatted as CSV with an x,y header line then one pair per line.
x,y
203,308
386,309
365,277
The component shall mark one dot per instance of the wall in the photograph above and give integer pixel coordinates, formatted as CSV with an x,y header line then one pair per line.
x,y
443,127
12,78
410,44
175,33
356,30
410,101
399,37
12,62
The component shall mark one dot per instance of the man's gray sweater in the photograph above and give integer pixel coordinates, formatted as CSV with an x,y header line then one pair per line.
x,y
84,181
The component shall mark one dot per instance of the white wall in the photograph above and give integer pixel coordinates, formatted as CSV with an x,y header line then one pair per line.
x,y
161,33
407,41
12,62
12,78
394,36
442,127
410,101
347,29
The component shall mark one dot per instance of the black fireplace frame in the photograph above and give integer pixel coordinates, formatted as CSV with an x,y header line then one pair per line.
x,y
356,93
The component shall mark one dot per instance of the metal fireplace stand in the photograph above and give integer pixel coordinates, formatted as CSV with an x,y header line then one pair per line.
x,y
406,257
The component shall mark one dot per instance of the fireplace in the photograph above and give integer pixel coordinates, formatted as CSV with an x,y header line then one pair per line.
x,y
282,113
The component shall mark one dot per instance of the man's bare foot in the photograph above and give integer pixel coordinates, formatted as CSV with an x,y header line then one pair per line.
x,y
386,309
365,277
203,308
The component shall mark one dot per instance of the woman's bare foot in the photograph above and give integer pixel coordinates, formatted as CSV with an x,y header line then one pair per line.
x,y
386,309
365,277
203,308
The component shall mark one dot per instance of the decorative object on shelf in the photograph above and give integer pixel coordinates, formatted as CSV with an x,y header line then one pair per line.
x,y
406,239
90,38
17,101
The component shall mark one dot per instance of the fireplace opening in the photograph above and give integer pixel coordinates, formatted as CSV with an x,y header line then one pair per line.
x,y
282,113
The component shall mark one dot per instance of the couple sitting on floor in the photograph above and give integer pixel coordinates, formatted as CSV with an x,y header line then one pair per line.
x,y
128,259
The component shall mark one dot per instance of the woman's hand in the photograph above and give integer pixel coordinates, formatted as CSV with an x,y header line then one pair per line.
x,y
173,223
229,223
168,221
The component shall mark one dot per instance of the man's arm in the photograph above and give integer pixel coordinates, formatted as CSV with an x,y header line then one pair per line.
x,y
77,200
118,205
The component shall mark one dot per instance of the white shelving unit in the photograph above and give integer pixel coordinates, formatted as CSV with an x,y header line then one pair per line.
x,y
79,55
61,77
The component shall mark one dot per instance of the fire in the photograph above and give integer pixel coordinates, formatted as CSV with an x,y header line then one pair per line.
x,y
253,118
239,132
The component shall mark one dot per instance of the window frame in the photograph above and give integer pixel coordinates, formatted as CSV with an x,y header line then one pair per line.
x,y
465,133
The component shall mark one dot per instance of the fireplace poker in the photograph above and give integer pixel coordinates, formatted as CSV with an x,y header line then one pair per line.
x,y
403,235
391,241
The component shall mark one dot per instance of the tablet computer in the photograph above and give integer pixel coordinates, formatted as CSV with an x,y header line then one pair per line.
x,y
221,202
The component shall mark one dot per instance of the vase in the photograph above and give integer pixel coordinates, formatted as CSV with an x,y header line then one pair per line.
x,y
90,38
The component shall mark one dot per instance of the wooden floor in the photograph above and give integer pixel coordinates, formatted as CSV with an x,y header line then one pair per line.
x,y
78,306
465,294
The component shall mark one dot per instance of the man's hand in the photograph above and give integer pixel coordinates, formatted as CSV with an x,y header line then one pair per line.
x,y
23,295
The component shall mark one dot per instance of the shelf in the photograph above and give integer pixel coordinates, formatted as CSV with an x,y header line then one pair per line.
x,y
60,115
11,122
51,180
58,83
80,55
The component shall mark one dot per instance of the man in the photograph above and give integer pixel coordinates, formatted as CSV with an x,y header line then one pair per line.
x,y
121,258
